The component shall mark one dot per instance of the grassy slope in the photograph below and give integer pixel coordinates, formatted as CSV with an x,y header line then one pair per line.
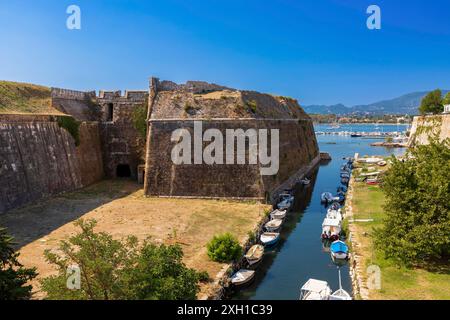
x,y
17,98
397,283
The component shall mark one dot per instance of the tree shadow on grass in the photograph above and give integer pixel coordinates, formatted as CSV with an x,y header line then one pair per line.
x,y
36,220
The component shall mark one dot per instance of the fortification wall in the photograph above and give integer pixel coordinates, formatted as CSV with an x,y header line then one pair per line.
x,y
74,103
298,148
39,159
425,126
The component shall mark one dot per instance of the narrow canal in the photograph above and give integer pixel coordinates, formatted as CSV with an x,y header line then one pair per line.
x,y
300,254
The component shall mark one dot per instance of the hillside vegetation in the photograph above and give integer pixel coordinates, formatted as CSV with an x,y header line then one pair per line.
x,y
19,98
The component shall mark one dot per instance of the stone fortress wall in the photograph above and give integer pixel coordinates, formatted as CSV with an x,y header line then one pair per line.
x,y
178,106
38,158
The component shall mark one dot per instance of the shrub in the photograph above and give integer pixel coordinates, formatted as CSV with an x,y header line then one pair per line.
x,y
72,126
252,105
112,269
140,119
13,276
224,248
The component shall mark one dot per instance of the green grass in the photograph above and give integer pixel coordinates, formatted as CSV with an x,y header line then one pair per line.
x,y
25,98
397,283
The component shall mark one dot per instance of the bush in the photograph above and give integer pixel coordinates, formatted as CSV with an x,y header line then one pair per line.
x,y
224,248
417,224
140,119
13,276
432,103
252,105
112,269
72,126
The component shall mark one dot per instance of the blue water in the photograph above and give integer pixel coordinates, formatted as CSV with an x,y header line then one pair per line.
x,y
300,254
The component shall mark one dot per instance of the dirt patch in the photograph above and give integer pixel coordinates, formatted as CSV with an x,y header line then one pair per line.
x,y
121,209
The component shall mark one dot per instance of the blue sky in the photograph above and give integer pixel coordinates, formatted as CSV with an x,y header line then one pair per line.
x,y
318,51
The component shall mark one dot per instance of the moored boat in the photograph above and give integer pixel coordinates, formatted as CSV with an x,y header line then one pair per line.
x,y
340,294
339,250
242,277
305,181
331,229
273,225
326,197
334,214
269,238
286,204
254,254
278,214
315,290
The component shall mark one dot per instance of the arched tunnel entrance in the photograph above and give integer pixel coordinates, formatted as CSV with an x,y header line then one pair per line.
x,y
123,171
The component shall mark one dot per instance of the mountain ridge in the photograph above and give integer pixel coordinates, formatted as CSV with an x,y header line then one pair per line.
x,y
405,104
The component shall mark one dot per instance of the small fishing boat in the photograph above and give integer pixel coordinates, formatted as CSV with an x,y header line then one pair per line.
x,y
331,229
339,250
373,181
242,277
382,163
278,214
341,294
334,214
326,197
342,189
315,290
335,206
273,225
254,254
286,204
345,181
305,181
345,175
269,238
356,135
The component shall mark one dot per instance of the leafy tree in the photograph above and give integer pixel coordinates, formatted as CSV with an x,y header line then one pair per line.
x,y
113,269
432,103
446,100
224,248
13,276
417,226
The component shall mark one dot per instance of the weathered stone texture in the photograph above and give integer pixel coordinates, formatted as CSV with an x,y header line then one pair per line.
x,y
425,126
38,159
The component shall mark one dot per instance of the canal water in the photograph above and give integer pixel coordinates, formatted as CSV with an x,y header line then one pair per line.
x,y
300,254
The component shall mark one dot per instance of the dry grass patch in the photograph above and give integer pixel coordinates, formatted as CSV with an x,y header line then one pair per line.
x,y
121,209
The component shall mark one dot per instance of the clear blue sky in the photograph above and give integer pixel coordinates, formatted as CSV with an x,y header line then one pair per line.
x,y
318,51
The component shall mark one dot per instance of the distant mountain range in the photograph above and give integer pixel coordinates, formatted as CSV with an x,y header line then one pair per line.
x,y
406,104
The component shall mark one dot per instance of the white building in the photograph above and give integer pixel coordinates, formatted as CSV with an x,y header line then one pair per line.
x,y
447,108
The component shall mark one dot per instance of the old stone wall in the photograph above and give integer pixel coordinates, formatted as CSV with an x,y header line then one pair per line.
x,y
425,126
74,103
298,148
122,143
39,159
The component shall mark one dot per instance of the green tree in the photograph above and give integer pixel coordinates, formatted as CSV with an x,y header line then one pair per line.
x,y
446,100
417,226
113,269
224,248
432,103
13,276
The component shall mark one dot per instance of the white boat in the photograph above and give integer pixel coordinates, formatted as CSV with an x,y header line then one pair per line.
x,y
331,229
339,250
326,197
273,225
370,160
254,254
334,214
305,181
315,290
278,214
269,238
340,294
242,277
286,204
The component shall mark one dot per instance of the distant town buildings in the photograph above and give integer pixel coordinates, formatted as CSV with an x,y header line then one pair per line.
x,y
447,108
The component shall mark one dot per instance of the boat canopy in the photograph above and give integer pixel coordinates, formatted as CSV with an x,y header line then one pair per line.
x,y
331,223
339,246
